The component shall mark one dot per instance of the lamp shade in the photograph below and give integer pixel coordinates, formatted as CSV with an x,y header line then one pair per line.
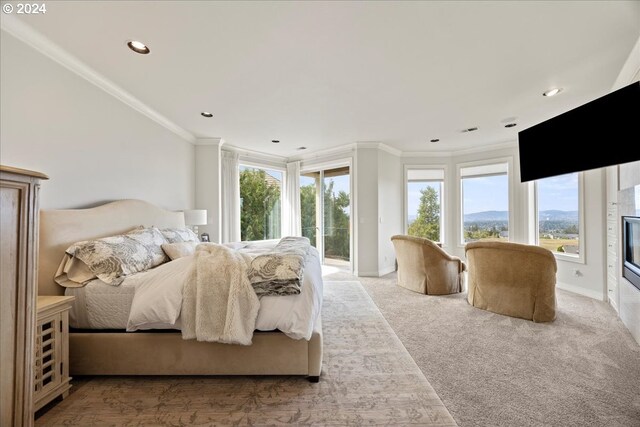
x,y
195,217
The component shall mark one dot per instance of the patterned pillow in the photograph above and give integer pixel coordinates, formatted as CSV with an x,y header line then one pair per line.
x,y
113,258
177,235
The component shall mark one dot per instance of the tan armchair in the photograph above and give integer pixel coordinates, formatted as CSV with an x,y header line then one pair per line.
x,y
512,279
424,267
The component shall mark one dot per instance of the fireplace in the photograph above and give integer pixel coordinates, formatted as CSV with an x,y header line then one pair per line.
x,y
631,249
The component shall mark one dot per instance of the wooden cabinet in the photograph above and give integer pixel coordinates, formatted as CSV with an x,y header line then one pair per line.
x,y
18,289
613,232
51,363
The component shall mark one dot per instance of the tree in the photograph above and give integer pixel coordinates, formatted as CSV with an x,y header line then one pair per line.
x,y
259,196
308,211
427,224
336,219
336,223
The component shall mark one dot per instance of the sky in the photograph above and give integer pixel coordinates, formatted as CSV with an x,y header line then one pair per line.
x,y
558,193
486,193
491,193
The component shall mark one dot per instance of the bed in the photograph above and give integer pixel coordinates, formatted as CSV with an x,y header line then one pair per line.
x,y
159,352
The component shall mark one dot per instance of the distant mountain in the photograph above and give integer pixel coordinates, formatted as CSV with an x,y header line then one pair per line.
x,y
555,215
487,216
550,215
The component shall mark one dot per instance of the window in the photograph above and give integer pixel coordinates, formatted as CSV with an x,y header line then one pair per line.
x,y
260,203
424,203
485,202
558,206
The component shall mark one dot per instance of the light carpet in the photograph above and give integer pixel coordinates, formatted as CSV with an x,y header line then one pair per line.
x,y
368,378
583,369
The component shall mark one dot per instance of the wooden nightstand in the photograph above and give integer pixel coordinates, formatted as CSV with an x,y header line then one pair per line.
x,y
51,365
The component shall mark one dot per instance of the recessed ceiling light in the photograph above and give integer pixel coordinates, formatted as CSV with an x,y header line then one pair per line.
x,y
435,140
302,148
275,141
552,92
138,47
510,125
473,129
206,114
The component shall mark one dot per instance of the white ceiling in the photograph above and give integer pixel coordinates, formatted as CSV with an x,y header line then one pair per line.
x,y
323,74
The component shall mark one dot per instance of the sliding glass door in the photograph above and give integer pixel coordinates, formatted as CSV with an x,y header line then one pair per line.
x,y
325,202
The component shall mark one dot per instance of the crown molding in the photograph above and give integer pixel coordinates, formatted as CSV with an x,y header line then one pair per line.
x,y
427,153
474,150
42,44
380,146
346,149
256,155
490,147
209,141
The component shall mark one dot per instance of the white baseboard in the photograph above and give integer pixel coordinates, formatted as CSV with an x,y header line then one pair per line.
x,y
581,291
378,273
366,273
386,270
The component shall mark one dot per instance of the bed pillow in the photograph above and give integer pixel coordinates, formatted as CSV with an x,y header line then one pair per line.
x,y
179,250
177,235
113,258
73,273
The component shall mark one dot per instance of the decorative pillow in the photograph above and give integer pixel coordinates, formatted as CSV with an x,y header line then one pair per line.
x,y
113,258
177,235
179,250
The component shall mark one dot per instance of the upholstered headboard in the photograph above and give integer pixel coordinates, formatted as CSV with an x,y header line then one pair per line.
x,y
60,228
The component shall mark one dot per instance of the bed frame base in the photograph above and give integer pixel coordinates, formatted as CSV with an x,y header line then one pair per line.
x,y
166,353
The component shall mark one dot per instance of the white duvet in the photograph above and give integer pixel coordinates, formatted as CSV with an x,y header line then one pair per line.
x,y
157,300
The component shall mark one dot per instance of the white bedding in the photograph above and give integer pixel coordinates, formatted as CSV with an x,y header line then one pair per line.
x,y
156,298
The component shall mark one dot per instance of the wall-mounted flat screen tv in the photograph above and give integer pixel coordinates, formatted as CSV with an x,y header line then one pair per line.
x,y
603,132
631,249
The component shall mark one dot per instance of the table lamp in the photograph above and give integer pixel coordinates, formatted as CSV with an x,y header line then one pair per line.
x,y
194,218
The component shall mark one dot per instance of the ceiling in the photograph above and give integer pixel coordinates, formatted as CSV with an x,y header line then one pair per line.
x,y
324,74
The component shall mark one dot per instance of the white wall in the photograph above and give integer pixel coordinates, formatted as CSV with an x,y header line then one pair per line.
x,y
207,186
366,179
390,199
93,147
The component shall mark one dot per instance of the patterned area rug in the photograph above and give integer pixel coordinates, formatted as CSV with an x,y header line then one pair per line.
x,y
368,378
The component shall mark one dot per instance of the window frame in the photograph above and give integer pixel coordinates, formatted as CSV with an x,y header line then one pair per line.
x,y
580,258
443,198
510,193
242,161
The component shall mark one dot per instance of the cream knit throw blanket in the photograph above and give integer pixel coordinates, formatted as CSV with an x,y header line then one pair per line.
x,y
219,303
